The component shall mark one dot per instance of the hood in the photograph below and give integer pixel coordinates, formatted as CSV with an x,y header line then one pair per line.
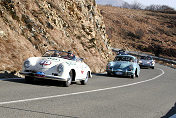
x,y
37,63
48,62
120,64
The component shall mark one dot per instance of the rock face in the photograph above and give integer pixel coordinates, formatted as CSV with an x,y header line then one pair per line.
x,y
30,27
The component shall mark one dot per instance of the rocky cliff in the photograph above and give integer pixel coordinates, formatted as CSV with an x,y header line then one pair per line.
x,y
30,27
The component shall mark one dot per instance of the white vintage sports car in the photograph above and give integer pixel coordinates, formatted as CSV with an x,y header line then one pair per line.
x,y
147,61
57,65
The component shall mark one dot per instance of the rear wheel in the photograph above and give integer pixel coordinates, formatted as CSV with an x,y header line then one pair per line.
x,y
152,67
134,75
68,82
29,79
109,74
84,82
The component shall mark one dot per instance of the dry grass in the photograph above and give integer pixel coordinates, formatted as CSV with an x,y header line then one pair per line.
x,y
152,32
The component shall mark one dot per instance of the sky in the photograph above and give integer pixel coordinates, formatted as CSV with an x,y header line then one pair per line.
x,y
112,2
171,3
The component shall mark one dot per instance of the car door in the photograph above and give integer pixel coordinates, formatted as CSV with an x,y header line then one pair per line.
x,y
80,71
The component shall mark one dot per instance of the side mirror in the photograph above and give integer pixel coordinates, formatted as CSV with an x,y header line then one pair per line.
x,y
81,59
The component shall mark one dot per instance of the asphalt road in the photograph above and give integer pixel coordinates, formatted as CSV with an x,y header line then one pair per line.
x,y
152,95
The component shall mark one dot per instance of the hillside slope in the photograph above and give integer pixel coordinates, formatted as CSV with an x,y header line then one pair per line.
x,y
152,32
29,28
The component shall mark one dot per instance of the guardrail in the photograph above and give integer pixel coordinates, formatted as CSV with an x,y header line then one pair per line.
x,y
142,54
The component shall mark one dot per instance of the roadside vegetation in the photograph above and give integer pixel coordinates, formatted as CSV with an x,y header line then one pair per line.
x,y
151,29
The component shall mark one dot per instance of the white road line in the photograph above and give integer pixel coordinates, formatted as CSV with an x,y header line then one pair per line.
x,y
77,93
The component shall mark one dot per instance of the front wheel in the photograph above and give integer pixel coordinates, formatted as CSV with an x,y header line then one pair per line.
x,y
68,82
109,74
29,79
137,74
84,82
134,75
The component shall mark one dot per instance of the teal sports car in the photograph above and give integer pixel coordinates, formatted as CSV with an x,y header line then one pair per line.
x,y
124,65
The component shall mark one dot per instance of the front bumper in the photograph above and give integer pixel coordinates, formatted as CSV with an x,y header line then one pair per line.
x,y
43,76
120,72
146,65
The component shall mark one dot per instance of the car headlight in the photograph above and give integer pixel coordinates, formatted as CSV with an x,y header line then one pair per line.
x,y
140,61
60,69
130,68
27,64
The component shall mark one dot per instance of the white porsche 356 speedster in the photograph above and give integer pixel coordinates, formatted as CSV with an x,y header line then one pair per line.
x,y
57,65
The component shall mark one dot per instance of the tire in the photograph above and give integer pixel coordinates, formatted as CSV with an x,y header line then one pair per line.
x,y
133,76
153,67
109,74
68,82
29,79
136,73
84,82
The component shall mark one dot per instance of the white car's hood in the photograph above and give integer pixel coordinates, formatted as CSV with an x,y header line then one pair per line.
x,y
44,63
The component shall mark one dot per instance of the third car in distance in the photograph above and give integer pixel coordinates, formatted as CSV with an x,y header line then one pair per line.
x,y
147,61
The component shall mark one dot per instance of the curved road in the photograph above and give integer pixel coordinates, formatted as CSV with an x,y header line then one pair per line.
x,y
152,95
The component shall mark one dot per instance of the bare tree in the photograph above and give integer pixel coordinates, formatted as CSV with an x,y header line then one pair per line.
x,y
165,7
159,8
126,5
152,7
136,5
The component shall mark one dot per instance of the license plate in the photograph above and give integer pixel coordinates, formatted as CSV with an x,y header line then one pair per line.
x,y
40,74
118,73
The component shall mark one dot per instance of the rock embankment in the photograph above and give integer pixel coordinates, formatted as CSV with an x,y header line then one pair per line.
x,y
30,27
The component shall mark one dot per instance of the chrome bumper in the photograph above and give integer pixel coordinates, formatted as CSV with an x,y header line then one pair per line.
x,y
120,73
43,76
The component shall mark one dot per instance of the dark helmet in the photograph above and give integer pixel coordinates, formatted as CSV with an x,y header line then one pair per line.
x,y
70,51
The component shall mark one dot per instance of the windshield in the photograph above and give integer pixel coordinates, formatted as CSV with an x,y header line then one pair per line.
x,y
60,54
146,58
124,58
